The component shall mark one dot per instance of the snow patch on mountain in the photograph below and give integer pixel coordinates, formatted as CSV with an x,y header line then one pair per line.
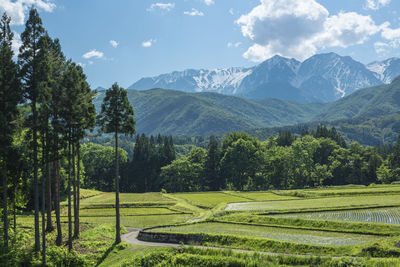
x,y
225,81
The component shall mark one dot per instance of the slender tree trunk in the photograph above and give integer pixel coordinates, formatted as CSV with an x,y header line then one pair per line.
x,y
69,199
44,157
74,186
78,192
117,225
35,176
49,227
57,201
15,215
5,211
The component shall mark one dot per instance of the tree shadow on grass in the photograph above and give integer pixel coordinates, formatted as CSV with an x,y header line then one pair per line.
x,y
106,253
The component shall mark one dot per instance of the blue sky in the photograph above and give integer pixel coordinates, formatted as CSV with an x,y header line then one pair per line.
x,y
124,40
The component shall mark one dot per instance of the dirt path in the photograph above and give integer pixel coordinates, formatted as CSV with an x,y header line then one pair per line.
x,y
131,238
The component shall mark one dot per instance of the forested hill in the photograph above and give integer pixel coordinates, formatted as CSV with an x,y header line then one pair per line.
x,y
178,113
369,102
369,116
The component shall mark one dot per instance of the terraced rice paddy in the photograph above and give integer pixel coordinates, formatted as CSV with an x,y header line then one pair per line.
x,y
260,196
320,203
109,198
386,215
351,190
123,211
283,234
209,199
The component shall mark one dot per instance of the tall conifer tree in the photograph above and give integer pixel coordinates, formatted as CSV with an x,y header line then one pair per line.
x,y
10,96
116,117
29,61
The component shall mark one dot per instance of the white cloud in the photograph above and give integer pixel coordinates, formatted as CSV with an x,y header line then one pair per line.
x,y
231,11
18,9
93,53
209,2
381,47
16,43
298,28
148,43
376,4
193,12
114,43
163,6
236,45
346,29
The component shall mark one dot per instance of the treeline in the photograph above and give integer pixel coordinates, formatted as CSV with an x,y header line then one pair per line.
x,y
318,157
242,162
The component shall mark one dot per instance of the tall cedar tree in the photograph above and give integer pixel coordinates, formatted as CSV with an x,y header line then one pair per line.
x,y
69,101
10,96
58,67
29,61
44,99
78,114
116,117
84,118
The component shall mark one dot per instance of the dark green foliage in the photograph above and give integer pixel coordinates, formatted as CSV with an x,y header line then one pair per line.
x,y
241,158
141,174
98,162
185,174
285,139
212,179
10,97
116,114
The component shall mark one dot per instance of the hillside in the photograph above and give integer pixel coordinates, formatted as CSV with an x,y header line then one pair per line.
x,y
369,116
178,113
369,102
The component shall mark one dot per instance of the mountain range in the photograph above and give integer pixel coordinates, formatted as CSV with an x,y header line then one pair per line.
x,y
320,78
374,112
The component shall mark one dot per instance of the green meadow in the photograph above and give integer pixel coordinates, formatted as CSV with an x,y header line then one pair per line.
x,y
318,227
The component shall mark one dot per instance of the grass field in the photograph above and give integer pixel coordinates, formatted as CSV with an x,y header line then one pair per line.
x,y
339,202
282,234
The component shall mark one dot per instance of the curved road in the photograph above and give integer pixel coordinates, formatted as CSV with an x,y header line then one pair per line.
x,y
131,238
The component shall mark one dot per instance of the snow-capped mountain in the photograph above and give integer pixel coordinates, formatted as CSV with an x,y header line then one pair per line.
x,y
224,81
320,78
385,70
